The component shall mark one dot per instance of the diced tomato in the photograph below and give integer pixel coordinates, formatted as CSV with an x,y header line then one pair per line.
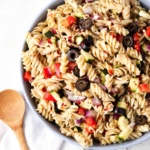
x,y
71,20
119,38
27,76
48,73
144,88
111,71
137,47
136,37
81,111
78,102
44,89
136,34
49,97
57,69
113,34
49,40
90,121
148,30
88,130
71,65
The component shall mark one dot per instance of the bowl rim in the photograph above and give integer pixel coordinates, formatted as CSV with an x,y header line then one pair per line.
x,y
51,127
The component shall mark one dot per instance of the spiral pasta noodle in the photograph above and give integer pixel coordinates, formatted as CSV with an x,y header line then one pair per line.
x,y
96,90
124,59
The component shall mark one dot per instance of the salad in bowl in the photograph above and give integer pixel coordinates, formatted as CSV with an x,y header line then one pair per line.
x,y
88,66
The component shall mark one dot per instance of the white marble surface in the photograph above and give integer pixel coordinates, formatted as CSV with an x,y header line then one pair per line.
x,y
15,19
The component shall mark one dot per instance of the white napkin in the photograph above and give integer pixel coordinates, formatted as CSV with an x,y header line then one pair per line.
x,y
8,139
38,137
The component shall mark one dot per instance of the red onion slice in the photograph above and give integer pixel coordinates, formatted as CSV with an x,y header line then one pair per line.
x,y
78,122
96,16
76,98
111,18
88,10
85,77
68,92
96,101
90,113
97,80
148,47
102,86
114,90
132,124
53,30
116,116
41,42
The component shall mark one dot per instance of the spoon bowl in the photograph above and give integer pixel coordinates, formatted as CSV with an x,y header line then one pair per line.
x,y
12,108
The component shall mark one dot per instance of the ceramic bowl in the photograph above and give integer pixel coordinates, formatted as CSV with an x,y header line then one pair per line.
x,y
52,127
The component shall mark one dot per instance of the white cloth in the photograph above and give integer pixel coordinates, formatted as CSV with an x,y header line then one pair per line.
x,y
8,140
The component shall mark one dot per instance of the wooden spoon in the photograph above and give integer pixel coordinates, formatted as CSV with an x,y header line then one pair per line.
x,y
12,110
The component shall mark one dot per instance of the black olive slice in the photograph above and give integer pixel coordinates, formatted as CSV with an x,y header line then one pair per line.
x,y
85,23
82,85
83,45
143,54
76,71
133,27
121,111
141,67
58,111
148,96
72,55
140,120
61,93
86,43
89,41
128,41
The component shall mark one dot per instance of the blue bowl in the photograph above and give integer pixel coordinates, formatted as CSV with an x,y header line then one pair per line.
x,y
52,127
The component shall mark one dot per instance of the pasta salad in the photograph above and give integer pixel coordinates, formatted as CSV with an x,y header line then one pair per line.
x,y
88,64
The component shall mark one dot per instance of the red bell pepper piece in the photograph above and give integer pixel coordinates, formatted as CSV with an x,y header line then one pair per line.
x,y
90,121
137,47
113,34
71,65
71,20
48,73
88,130
49,97
27,76
144,87
49,40
148,30
81,111
119,38
57,69
111,71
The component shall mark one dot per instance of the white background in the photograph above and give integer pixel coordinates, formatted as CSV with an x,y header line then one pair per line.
x,y
16,17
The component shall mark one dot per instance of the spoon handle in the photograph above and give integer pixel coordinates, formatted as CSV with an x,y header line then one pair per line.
x,y
21,138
